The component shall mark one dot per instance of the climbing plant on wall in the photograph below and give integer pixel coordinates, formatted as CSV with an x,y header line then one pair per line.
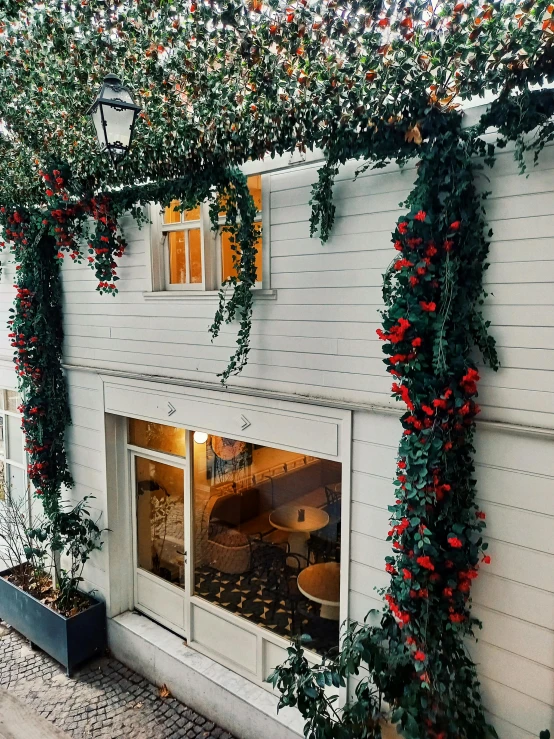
x,y
377,81
431,323
86,229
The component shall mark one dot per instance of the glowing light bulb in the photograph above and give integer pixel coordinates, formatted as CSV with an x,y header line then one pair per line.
x,y
200,437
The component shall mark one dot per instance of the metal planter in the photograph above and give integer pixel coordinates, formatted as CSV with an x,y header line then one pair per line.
x,y
69,641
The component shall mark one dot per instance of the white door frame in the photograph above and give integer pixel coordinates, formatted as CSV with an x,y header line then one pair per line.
x,y
299,427
172,590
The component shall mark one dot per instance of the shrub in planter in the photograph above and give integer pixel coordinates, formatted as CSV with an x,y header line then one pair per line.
x,y
40,598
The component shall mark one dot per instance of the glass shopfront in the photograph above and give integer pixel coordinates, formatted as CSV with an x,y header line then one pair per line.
x,y
267,536
237,544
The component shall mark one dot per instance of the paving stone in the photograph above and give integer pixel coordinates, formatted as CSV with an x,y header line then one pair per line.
x,y
105,699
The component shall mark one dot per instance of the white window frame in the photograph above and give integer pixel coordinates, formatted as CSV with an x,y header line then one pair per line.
x,y
214,413
186,226
5,456
211,251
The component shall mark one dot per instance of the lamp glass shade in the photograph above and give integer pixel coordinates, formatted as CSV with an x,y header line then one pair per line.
x,y
114,115
200,437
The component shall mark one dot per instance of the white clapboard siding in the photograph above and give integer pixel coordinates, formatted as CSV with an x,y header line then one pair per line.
x,y
87,461
513,597
317,338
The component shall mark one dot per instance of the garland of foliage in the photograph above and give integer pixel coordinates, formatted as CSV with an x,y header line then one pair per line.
x,y
39,240
416,657
219,84
37,336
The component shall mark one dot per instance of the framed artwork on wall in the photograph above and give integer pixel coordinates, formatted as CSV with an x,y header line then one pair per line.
x,y
226,458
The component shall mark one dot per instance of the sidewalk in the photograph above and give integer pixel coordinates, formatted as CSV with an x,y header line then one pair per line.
x,y
17,722
104,700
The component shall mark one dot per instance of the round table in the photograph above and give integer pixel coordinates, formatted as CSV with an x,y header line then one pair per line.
x,y
321,583
285,518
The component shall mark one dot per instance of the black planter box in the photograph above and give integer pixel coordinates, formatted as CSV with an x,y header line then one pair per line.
x,y
69,641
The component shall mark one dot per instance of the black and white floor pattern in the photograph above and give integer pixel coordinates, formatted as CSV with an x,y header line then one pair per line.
x,y
250,599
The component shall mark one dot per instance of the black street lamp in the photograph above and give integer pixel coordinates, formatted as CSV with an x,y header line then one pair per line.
x,y
114,114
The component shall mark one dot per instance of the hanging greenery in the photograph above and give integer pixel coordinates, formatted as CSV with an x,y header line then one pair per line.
x,y
377,81
86,228
416,659
40,238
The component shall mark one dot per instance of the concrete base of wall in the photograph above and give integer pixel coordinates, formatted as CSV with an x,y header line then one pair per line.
x,y
239,706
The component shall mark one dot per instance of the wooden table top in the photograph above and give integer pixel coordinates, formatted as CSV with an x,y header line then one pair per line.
x,y
321,583
286,518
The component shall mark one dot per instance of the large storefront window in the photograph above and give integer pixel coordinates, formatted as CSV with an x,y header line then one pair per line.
x,y
252,529
267,536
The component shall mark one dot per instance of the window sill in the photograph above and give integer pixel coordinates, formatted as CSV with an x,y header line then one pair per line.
x,y
191,296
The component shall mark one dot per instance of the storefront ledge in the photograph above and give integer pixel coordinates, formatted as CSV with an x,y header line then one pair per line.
x,y
229,700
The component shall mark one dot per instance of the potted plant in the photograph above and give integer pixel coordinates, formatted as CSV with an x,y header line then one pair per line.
x,y
39,588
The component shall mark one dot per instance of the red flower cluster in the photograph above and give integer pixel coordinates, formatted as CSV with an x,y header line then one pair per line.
x,y
403,391
399,528
402,617
403,264
426,562
428,307
469,381
396,333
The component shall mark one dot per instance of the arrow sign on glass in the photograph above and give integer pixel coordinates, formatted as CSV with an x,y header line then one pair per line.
x,y
170,409
245,422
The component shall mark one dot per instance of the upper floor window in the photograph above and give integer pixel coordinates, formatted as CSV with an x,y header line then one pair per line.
x,y
193,257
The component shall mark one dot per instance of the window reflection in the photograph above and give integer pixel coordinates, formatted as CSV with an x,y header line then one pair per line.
x,y
267,536
157,436
177,258
160,520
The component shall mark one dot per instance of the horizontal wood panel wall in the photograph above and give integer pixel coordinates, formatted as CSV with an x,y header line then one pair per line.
x,y
86,449
514,595
317,338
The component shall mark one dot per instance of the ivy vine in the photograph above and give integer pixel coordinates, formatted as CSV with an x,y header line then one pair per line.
x,y
86,228
416,659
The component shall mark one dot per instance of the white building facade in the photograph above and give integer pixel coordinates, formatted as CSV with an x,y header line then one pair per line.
x,y
189,477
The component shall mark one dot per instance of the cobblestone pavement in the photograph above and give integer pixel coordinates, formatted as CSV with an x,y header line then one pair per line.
x,y
104,699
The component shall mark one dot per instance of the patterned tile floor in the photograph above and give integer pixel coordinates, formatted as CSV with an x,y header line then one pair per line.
x,y
249,598
104,700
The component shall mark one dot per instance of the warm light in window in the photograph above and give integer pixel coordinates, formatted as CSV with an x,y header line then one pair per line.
x,y
200,437
227,265
185,257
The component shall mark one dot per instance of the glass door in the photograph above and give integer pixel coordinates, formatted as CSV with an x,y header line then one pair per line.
x,y
160,538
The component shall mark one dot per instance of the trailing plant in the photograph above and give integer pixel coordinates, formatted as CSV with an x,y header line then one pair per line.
x,y
240,215
417,657
39,239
